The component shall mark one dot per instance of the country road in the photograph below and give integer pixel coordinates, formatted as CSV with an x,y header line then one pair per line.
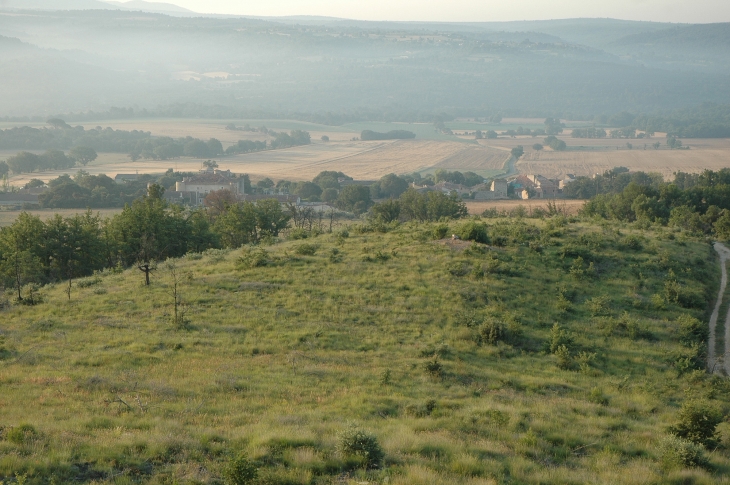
x,y
712,361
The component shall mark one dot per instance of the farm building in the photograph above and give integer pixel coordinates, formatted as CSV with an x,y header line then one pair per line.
x,y
208,181
494,191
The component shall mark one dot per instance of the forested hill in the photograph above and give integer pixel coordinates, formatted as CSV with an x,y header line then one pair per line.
x,y
79,61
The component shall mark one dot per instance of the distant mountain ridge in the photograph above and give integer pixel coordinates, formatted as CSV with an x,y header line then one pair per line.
x,y
152,7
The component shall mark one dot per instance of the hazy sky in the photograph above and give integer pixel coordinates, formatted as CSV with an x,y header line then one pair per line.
x,y
474,10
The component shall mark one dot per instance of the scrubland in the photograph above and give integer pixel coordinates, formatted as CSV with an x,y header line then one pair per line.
x,y
555,354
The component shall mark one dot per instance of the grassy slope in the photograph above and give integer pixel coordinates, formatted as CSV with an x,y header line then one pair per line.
x,y
277,360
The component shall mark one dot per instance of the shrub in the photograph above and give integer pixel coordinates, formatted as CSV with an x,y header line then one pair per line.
x,y
434,368
440,231
559,338
474,231
492,332
354,442
565,360
631,242
697,423
681,453
298,233
596,396
240,471
598,305
216,255
21,434
88,282
692,331
306,249
254,258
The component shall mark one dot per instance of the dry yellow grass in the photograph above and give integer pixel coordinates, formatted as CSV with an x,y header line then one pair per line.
x,y
571,207
8,217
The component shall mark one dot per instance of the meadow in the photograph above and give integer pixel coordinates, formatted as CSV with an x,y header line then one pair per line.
x,y
554,354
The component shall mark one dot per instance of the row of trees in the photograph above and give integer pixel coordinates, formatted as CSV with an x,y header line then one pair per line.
x,y
26,162
148,230
420,206
700,203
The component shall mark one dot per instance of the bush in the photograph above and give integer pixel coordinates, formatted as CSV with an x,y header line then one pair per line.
x,y
474,231
298,233
697,423
440,231
434,368
681,453
240,471
559,338
88,282
254,258
692,331
492,332
306,249
21,434
565,360
354,442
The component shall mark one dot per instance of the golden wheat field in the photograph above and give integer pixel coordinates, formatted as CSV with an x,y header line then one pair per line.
x,y
703,154
362,160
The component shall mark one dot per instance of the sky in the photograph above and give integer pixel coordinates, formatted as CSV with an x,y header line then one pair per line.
x,y
689,11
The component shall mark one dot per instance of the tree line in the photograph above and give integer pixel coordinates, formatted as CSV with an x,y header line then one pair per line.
x,y
26,162
33,251
695,202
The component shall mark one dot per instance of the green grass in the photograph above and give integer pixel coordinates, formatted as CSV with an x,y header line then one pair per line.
x,y
276,361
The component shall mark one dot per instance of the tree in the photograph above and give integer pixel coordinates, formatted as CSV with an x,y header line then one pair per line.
x,y
325,138
387,211
308,190
391,186
57,123
265,183
491,135
82,154
4,169
24,162
354,198
210,164
218,201
537,147
518,151
330,179
237,226
196,149
56,160
553,126
215,147
176,277
20,250
270,218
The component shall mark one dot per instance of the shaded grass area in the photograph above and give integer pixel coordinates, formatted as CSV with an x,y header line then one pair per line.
x,y
441,350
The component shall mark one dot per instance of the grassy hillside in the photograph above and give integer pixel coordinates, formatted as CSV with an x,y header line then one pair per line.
x,y
558,354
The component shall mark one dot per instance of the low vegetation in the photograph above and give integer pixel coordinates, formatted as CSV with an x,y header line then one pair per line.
x,y
547,351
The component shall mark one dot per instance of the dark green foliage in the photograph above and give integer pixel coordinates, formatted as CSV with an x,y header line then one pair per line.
x,y
697,422
240,471
431,206
555,143
354,198
491,332
474,231
387,211
354,442
306,249
390,186
440,231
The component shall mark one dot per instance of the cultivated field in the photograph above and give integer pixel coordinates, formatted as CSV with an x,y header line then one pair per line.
x,y
358,159
703,154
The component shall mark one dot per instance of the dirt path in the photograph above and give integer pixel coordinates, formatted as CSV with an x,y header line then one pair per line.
x,y
724,254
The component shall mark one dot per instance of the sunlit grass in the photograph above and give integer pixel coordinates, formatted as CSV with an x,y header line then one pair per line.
x,y
275,361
